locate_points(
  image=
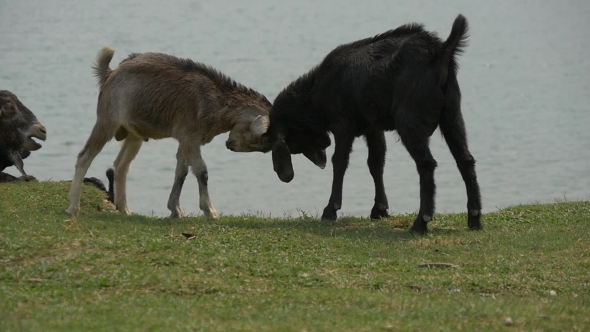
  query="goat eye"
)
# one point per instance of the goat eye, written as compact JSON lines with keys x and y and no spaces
{"x":6,"y":111}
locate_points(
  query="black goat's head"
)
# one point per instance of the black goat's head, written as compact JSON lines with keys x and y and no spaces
{"x":310,"y":143}
{"x":18,"y":125}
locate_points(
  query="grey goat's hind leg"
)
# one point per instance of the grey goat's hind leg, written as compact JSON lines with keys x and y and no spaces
{"x":128,"y":151}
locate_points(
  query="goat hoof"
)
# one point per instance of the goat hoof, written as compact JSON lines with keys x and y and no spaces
{"x":377,"y":213}
{"x":212,"y":215}
{"x":329,"y":214}
{"x":419,"y":226}
{"x":28,"y":178}
{"x":474,"y":222}
{"x":176,"y":215}
{"x":73,"y":210}
{"x":125,"y":211}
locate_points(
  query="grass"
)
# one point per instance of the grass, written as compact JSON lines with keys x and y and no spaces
{"x":529,"y":270}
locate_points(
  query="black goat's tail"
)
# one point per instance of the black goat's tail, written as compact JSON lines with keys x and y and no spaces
{"x":95,"y":182}
{"x":98,"y":184}
{"x":101,"y":67}
{"x":111,"y":192}
{"x":454,"y":45}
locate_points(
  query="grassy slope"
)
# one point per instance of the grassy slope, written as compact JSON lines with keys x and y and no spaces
{"x":105,"y":272}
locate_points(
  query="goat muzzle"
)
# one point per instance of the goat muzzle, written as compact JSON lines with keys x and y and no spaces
{"x":36,"y":131}
{"x":230,"y":145}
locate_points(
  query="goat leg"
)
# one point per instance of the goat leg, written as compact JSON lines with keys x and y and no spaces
{"x":179,"y":178}
{"x":340,"y":162}
{"x":416,"y":141}
{"x":16,"y":159}
{"x":5,"y":177}
{"x":376,"y":162}
{"x":192,"y":153}
{"x":18,"y":162}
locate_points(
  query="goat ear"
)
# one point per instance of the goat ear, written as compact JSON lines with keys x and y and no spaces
{"x":317,"y":157}
{"x":325,"y":141}
{"x":259,"y":126}
{"x":281,"y":160}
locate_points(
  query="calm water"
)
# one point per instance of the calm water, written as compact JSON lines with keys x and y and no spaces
{"x":525,"y":79}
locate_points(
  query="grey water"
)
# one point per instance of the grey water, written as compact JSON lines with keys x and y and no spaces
{"x":525,"y":79}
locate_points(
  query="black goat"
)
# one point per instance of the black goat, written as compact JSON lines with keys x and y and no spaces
{"x":7,"y":159}
{"x":405,"y":80}
{"x":98,"y":184}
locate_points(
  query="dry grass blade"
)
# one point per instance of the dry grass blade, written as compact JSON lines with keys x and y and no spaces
{"x":448,"y":265}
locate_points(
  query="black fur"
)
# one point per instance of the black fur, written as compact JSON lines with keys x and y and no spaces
{"x":405,"y":80}
{"x":6,"y":160}
{"x":110,"y":173}
{"x":111,"y":191}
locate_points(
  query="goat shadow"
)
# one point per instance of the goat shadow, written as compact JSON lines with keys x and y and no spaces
{"x":388,"y":230}
{"x":392,"y":229}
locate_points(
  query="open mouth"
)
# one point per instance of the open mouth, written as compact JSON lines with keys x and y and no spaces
{"x":33,"y":144}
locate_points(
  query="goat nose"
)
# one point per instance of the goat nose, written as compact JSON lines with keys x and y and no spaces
{"x":43,"y":130}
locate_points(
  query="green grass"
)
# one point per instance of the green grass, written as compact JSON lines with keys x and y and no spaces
{"x":106,"y":272}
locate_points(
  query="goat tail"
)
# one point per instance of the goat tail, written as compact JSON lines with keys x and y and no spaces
{"x":454,"y":45}
{"x":111,"y":192}
{"x":101,"y":64}
{"x":457,"y":40}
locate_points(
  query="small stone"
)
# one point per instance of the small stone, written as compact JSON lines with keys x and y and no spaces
{"x":508,"y":321}
{"x":552,"y":293}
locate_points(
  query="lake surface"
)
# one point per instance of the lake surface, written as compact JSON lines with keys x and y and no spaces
{"x":525,"y":79}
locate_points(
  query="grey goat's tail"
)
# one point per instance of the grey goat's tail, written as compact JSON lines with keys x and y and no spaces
{"x":101,"y":64}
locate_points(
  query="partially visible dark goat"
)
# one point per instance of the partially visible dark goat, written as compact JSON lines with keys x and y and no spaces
{"x":18,"y":127}
{"x":98,"y":184}
{"x":405,"y":80}
{"x":6,"y":160}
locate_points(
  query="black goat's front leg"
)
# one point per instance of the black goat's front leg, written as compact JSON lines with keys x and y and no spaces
{"x":376,"y":161}
{"x":17,"y":160}
{"x":340,"y":163}
{"x":5,"y":177}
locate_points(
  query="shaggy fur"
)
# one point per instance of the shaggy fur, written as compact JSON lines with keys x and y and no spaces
{"x":404,"y":80}
{"x":153,"y":95}
{"x":18,"y":127}
{"x":7,"y":160}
